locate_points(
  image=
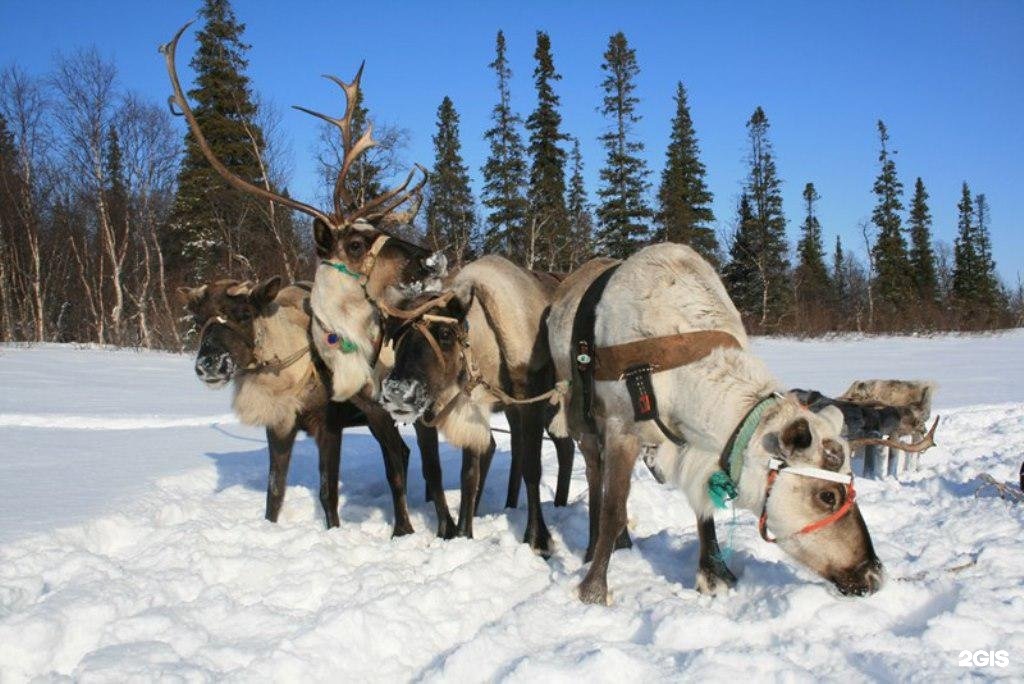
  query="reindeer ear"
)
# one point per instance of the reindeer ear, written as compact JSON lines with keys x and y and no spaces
{"x":264,"y":293}
{"x":323,"y":236}
{"x":796,"y":436}
{"x":464,"y":294}
{"x":191,"y":296}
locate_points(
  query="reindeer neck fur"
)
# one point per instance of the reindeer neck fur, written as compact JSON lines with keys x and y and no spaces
{"x":275,"y":398}
{"x":340,"y":304}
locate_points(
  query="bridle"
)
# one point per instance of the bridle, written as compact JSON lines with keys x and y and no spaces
{"x":275,"y":364}
{"x":732,"y":461}
{"x":777,"y":466}
{"x":419,"y":320}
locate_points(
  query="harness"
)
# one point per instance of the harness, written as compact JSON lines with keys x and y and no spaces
{"x":723,"y":484}
{"x":634,"y":362}
{"x":420,"y":321}
{"x":275,"y":364}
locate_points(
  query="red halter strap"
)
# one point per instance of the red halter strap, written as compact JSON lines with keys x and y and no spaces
{"x":762,"y":523}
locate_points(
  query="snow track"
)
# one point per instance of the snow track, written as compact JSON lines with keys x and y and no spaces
{"x":59,"y":421}
{"x":179,"y":577}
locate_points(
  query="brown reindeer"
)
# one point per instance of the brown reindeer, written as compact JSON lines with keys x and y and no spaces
{"x":360,"y":259}
{"x":257,"y":337}
{"x":669,"y":343}
{"x":478,"y":346}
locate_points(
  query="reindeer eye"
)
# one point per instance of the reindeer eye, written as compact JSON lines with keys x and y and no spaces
{"x":827,"y":497}
{"x":244,"y":316}
{"x":355,"y":248}
{"x":445,"y":335}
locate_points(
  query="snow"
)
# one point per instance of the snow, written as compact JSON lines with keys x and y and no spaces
{"x":133,"y":546}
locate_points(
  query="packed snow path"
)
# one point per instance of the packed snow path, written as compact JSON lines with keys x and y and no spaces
{"x":132,"y":546}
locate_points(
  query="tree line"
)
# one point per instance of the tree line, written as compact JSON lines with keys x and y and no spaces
{"x":105,"y":210}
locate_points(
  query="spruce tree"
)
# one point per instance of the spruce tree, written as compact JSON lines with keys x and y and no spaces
{"x":965,"y":269}
{"x":623,"y":212}
{"x":813,"y":284}
{"x":450,"y":210}
{"x":839,"y":284}
{"x":205,"y":207}
{"x":684,"y":201}
{"x":504,"y":173}
{"x":758,"y":269}
{"x":922,"y":255}
{"x":116,"y":192}
{"x":742,"y":276}
{"x":975,"y":284}
{"x":547,"y":219}
{"x":581,"y":223}
{"x":894,"y":284}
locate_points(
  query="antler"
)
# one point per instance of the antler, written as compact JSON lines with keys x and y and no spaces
{"x":373,"y":210}
{"x":178,"y":98}
{"x":926,"y":443}
{"x":380,"y":206}
{"x":342,"y":198}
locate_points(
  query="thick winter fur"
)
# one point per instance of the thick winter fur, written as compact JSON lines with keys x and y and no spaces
{"x":257,"y":337}
{"x":277,"y":399}
{"x":667,"y":289}
{"x":501,"y":307}
{"x":344,"y":303}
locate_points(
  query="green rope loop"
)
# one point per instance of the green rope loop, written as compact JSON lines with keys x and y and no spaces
{"x":721,"y":488}
{"x":341,"y":268}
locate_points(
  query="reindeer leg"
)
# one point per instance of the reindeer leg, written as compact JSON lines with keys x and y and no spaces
{"x":279,"y":446}
{"x":531,"y":427}
{"x":485,"y":466}
{"x":621,"y":453}
{"x":396,"y":455}
{"x":470,"y":487}
{"x":591,"y":449}
{"x":565,"y":450}
{"x":713,"y":575}
{"x":327,"y":433}
{"x":515,"y":472}
{"x":426,"y":437}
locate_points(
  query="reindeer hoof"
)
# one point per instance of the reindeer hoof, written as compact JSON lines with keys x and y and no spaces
{"x":594,"y":592}
{"x":446,"y":529}
{"x":715,"y":581}
{"x":623,"y":541}
{"x":402,"y":529}
{"x":539,"y":541}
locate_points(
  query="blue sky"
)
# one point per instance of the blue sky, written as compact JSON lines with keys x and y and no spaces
{"x":947,"y":78}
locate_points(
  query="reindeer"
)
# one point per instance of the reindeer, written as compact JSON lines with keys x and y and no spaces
{"x":257,"y":337}
{"x":707,"y":413}
{"x":478,"y":346}
{"x":359,"y":260}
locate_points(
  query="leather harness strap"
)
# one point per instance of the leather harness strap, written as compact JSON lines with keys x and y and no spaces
{"x":581,"y":402}
{"x":662,"y":353}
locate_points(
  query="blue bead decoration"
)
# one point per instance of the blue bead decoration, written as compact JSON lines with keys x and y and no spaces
{"x":332,"y":339}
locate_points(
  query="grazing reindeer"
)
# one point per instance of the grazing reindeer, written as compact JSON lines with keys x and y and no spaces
{"x":665,"y":324}
{"x":479,"y":345}
{"x":360,"y":259}
{"x":258,"y":338}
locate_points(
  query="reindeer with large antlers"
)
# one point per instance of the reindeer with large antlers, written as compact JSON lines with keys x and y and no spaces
{"x":359,"y":261}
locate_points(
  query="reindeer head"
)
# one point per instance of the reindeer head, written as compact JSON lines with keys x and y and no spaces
{"x":431,"y":362}
{"x":810,"y":505}
{"x":360,"y":259}
{"x":225,"y":311}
